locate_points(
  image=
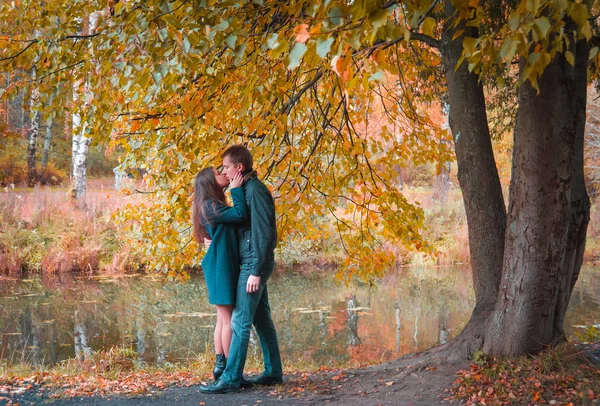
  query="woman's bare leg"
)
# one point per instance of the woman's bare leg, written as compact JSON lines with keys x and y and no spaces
{"x":224,"y":318}
{"x":218,"y":334}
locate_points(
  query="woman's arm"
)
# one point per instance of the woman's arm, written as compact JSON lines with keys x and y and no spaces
{"x":225,"y":214}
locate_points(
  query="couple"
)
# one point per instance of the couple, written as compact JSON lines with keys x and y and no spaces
{"x":236,"y":267}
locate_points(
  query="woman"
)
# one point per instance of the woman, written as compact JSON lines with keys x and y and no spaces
{"x":215,"y":220}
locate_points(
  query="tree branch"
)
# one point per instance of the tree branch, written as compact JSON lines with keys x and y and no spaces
{"x":33,"y":41}
{"x":290,"y":103}
{"x":79,"y":36}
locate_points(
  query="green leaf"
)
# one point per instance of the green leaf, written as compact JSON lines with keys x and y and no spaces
{"x":380,"y":19}
{"x":428,"y":26}
{"x":543,"y":26}
{"x":570,"y":58}
{"x":223,"y":25}
{"x":469,"y":44}
{"x":119,"y":7}
{"x":579,"y":14}
{"x":278,"y":49}
{"x":586,"y":30}
{"x":457,"y":34}
{"x":354,"y":42}
{"x":532,"y":6}
{"x":295,"y":55}
{"x":230,"y":40}
{"x":162,"y":34}
{"x":378,"y":76}
{"x":186,"y":45}
{"x":239,"y":52}
{"x":513,"y":21}
{"x":194,"y":38}
{"x":323,"y":46}
{"x":335,"y":15}
{"x":272,"y":41}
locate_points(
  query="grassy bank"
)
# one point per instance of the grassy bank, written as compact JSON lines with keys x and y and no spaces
{"x":41,"y":230}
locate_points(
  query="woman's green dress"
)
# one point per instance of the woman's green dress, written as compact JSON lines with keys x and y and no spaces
{"x":221,"y":263}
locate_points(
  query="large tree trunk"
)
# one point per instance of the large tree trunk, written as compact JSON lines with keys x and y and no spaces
{"x":538,"y":216}
{"x":479,"y":182}
{"x":579,"y":200}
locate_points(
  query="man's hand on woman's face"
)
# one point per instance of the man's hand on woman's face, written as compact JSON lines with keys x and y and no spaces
{"x":236,"y":181}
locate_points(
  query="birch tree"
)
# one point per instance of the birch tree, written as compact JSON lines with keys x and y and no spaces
{"x":48,"y":135}
{"x":33,"y":132}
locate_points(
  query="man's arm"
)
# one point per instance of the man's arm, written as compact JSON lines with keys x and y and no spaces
{"x":263,"y":232}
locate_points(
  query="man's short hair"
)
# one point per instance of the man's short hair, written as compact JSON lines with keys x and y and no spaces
{"x":239,"y":154}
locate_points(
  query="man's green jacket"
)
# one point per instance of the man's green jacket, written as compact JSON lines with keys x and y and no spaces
{"x":258,"y":235}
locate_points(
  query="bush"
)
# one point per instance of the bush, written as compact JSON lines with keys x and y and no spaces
{"x":15,"y":172}
{"x":51,"y":176}
{"x":12,"y":171}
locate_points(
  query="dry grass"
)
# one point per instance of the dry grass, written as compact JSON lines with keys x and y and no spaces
{"x":41,"y":229}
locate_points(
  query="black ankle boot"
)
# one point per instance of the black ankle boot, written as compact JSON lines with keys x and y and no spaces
{"x":220,"y":366}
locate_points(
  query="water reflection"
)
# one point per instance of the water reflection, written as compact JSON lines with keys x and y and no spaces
{"x":352,"y":322}
{"x":47,"y":320}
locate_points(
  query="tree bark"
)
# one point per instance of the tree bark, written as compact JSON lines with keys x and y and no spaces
{"x":479,"y":182}
{"x":538,"y":215}
{"x":33,"y":133}
{"x":579,"y":206}
{"x":79,"y":157}
{"x":48,"y":137}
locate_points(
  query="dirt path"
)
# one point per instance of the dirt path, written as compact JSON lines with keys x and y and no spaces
{"x":408,"y":381}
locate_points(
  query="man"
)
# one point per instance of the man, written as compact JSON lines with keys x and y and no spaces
{"x":257,"y":239}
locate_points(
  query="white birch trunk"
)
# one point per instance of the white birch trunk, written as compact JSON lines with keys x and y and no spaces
{"x":80,"y":140}
{"x":79,"y":152}
{"x":33,"y":131}
{"x":48,"y":137}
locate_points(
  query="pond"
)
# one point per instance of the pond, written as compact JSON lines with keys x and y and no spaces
{"x":44,"y":320}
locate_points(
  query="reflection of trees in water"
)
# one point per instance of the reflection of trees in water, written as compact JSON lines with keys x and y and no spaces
{"x":416,"y":335}
{"x":444,"y":317}
{"x":443,"y":336}
{"x":140,"y":335}
{"x":352,"y":322}
{"x":323,"y":326}
{"x":584,"y":306}
{"x":30,"y":346}
{"x":161,"y":342}
{"x":110,"y":313}
{"x":398,"y":326}
{"x":83,"y":351}
{"x":141,"y":313}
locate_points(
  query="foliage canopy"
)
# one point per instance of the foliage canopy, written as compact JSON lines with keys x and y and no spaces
{"x":329,"y":96}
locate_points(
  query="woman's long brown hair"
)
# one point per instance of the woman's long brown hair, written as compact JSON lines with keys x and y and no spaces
{"x":207,"y":194}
